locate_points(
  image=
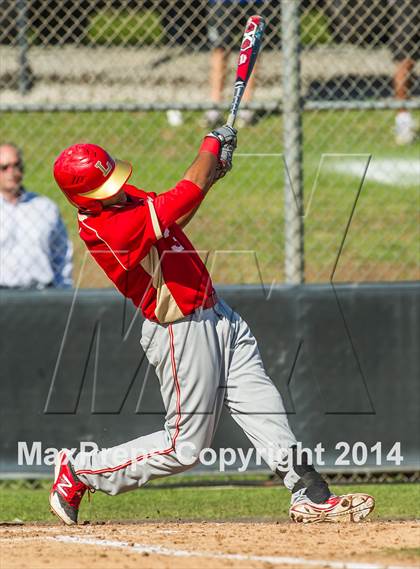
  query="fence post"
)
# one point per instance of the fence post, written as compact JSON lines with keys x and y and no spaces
{"x":292,"y":143}
{"x":22,"y":28}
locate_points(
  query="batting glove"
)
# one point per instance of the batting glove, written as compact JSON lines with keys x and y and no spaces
{"x":225,"y":161}
{"x":218,"y":138}
{"x":225,"y":134}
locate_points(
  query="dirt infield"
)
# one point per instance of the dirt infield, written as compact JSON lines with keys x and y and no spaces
{"x":209,"y":545}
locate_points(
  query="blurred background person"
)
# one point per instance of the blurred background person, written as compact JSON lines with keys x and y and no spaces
{"x":405,"y":47}
{"x":227,"y":19}
{"x":226,"y":24}
{"x":35,"y":251}
{"x":184,"y":24}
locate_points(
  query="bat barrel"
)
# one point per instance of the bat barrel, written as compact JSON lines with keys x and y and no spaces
{"x":250,"y":46}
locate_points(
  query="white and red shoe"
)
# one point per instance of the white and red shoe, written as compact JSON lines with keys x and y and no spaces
{"x":346,"y":508}
{"x":67,"y":491}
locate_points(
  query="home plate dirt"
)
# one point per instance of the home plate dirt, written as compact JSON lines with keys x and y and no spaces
{"x":369,"y":545}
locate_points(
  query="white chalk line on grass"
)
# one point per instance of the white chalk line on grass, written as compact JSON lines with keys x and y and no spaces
{"x":160,"y":550}
{"x":398,"y":172}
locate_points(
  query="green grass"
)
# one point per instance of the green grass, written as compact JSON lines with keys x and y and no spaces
{"x":404,"y":552}
{"x":393,"y":501}
{"x":116,"y":27}
{"x":244,"y":212}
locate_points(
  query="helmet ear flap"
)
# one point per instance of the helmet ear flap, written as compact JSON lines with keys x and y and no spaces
{"x":94,"y":207}
{"x":86,"y":205}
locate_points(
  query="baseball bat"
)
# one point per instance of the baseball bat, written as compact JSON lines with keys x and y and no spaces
{"x":250,"y":46}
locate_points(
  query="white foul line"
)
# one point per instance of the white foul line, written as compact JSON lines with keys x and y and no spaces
{"x":160,"y":550}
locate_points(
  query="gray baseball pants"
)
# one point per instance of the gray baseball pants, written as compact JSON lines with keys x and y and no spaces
{"x":203,"y":361}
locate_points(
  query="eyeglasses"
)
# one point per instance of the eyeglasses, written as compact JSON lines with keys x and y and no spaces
{"x":17,"y":165}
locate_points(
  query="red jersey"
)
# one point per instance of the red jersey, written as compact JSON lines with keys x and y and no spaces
{"x":147,"y":255}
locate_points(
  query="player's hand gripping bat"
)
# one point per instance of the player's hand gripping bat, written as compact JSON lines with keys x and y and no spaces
{"x":250,"y":46}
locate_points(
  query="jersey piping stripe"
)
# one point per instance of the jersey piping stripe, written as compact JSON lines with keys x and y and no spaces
{"x":154,"y":218}
{"x":178,"y":420}
{"x":177,"y":385}
{"x":103,"y":241}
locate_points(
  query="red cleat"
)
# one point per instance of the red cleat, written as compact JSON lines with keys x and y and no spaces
{"x":347,"y":508}
{"x":67,"y":491}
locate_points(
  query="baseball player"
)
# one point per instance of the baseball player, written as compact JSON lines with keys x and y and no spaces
{"x":204,"y":353}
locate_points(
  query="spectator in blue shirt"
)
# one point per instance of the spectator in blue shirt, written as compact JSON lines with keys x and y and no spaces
{"x":35,"y":251}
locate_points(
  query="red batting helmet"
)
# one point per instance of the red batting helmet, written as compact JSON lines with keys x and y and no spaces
{"x":87,"y":174}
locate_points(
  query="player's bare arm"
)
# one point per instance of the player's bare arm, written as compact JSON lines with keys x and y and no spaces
{"x":202,"y":171}
{"x":213,"y":161}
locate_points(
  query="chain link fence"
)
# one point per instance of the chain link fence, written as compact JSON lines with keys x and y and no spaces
{"x":141,"y":77}
{"x":360,"y":75}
